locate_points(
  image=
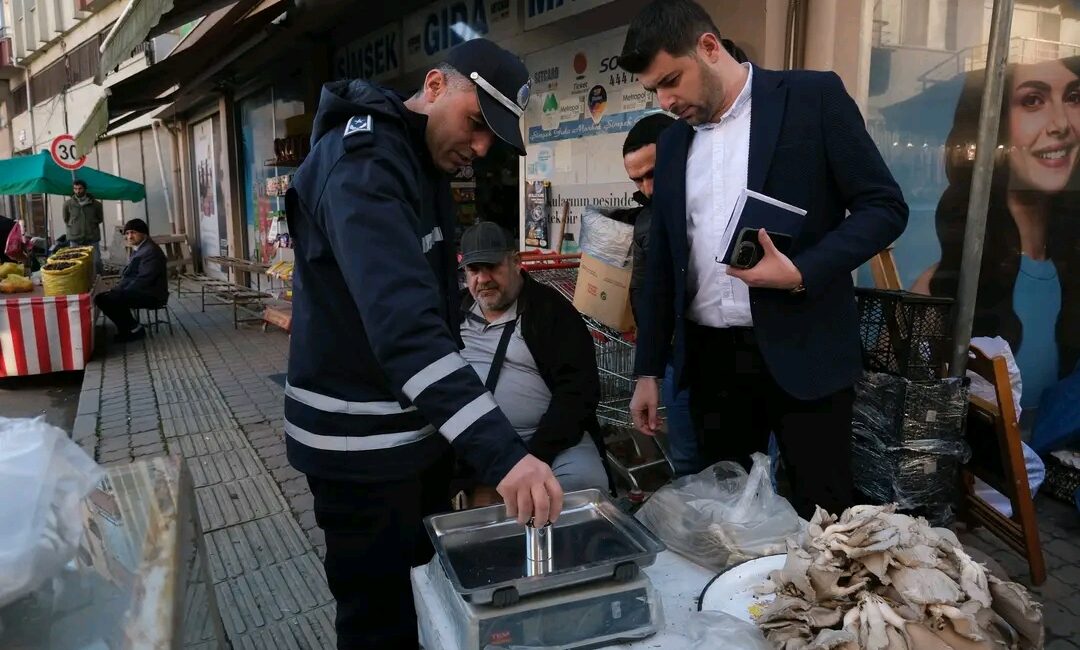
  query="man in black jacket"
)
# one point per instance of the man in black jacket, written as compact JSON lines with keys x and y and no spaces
{"x":534,"y":353}
{"x":143,"y":284}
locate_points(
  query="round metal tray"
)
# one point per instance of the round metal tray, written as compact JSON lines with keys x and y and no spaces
{"x":732,"y":592}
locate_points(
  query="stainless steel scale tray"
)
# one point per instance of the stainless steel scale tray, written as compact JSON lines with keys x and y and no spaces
{"x":483,"y":550}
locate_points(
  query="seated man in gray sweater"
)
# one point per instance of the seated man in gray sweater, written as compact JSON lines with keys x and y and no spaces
{"x":535,"y":354}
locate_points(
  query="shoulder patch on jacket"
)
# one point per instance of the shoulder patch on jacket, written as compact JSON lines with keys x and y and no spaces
{"x":358,"y":124}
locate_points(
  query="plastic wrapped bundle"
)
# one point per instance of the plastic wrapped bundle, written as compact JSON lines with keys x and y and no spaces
{"x":909,"y":443}
{"x":604,"y":238}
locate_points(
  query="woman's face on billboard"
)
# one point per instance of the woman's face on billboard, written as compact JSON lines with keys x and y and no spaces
{"x":1044,"y":118}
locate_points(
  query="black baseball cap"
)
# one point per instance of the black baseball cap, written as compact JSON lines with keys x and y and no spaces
{"x":502,"y":84}
{"x":485,"y":243}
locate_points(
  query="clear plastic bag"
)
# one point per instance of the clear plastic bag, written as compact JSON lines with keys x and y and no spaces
{"x":722,"y":516}
{"x":43,"y":478}
{"x":712,"y":630}
{"x":605,"y":238}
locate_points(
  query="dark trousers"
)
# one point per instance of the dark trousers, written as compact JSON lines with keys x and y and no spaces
{"x":118,"y":303}
{"x":374,"y":535}
{"x":735,"y":404}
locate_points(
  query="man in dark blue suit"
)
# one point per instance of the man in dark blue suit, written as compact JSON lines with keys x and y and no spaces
{"x":774,"y":347}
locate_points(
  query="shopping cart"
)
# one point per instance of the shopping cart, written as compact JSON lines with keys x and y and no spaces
{"x":635,"y":457}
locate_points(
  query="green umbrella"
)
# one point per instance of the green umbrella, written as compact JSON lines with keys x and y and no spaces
{"x":38,"y":174}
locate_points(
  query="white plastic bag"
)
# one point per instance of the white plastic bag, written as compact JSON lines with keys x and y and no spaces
{"x":996,"y":347}
{"x":722,"y":517}
{"x":605,"y":238}
{"x":1036,"y":469}
{"x":43,"y":478}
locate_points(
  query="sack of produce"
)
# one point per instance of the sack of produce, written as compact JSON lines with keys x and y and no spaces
{"x":64,"y":278}
{"x":84,"y":255}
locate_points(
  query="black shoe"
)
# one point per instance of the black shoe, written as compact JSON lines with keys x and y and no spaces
{"x":134,"y":335}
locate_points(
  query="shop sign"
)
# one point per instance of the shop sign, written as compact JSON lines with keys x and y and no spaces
{"x":375,"y":56}
{"x":542,"y":12}
{"x":583,"y":92}
{"x":431,"y":32}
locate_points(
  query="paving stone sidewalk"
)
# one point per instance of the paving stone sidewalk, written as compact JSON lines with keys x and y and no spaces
{"x":204,"y":391}
{"x":208,"y":391}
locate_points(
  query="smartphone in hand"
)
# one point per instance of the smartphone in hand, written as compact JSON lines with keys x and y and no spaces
{"x":748,"y":250}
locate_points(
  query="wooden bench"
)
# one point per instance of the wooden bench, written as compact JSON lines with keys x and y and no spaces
{"x":246,"y":303}
{"x":239,"y":266}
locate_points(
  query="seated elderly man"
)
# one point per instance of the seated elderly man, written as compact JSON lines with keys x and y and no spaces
{"x":535,"y":355}
{"x":143,"y":284}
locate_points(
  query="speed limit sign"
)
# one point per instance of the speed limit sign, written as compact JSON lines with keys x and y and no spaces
{"x":63,"y":152}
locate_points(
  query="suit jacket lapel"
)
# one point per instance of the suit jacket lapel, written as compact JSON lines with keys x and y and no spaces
{"x":768,"y":98}
{"x":676,"y":150}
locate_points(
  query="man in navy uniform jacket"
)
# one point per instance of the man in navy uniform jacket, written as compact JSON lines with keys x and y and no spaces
{"x":378,"y":391}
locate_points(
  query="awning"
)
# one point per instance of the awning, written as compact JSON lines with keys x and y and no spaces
{"x":136,"y":21}
{"x":38,"y":174}
{"x":218,"y":39}
{"x":96,"y":123}
{"x":929,"y":113}
{"x":142,"y":19}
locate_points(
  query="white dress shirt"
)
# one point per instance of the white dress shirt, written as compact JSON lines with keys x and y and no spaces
{"x":716,"y":173}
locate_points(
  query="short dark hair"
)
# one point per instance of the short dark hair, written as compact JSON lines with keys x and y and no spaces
{"x":647,"y":131}
{"x":673,"y":26}
{"x":78,"y":181}
{"x":734,"y":50}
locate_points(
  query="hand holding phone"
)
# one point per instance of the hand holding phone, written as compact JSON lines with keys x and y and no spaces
{"x":749,"y":251}
{"x":772,"y":269}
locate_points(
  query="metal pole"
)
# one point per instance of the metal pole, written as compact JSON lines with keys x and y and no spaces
{"x":30,"y":109}
{"x":161,"y":170}
{"x":986,"y":145}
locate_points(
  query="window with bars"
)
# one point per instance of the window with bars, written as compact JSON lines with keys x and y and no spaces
{"x":18,"y":100}
{"x":80,"y":63}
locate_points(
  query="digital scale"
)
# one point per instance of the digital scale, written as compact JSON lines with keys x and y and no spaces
{"x":495,"y":585}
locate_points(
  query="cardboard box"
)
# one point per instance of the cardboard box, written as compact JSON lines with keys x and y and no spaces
{"x":603,"y":292}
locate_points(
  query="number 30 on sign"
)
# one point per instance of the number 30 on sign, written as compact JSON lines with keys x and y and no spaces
{"x":63,"y":152}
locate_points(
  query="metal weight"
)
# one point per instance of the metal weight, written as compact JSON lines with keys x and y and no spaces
{"x":539,"y":554}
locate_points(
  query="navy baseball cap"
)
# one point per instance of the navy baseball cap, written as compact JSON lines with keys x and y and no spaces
{"x":485,"y":243}
{"x":502,"y":85}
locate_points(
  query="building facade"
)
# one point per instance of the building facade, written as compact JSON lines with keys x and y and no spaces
{"x":214,"y":118}
{"x":47,"y":89}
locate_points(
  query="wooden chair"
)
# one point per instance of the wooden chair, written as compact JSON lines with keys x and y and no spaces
{"x":883,"y":268}
{"x":998,"y":459}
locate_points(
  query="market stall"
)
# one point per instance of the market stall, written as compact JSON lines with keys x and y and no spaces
{"x":40,"y":334}
{"x":47,"y":316}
